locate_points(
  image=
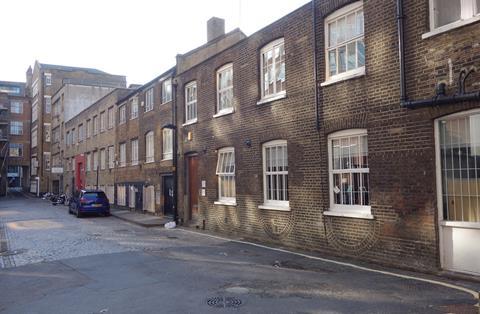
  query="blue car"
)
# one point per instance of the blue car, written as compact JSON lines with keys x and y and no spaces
{"x":89,"y":202}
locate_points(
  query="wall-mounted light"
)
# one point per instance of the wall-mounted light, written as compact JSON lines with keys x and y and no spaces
{"x":248,"y":143}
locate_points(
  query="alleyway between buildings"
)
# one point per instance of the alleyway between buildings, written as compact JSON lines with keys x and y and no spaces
{"x":52,"y":262}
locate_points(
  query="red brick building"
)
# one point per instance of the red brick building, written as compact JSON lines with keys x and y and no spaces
{"x":303,"y":136}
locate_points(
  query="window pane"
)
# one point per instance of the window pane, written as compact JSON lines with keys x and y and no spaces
{"x":359,"y":28}
{"x":332,"y":34}
{"x":360,"y":53}
{"x":332,"y":62}
{"x":341,"y":25}
{"x":446,"y":11}
{"x":342,"y":55}
{"x":351,"y":26}
{"x":352,"y":56}
{"x":478,"y":6}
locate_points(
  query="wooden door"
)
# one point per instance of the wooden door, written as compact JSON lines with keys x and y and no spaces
{"x":193,"y":186}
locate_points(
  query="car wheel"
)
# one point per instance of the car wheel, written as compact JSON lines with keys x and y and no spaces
{"x":78,"y":214}
{"x":70,"y":210}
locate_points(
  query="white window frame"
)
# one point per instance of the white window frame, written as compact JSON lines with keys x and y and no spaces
{"x":81,"y":132}
{"x":95,"y":124}
{"x":18,"y":148}
{"x":17,"y":126}
{"x":134,"y":148}
{"x":111,"y":157}
{"x":149,"y":99}
{"x":267,"y":48}
{"x":48,"y":79}
{"x":468,"y":16}
{"x":122,"y":114}
{"x":166,"y":91}
{"x":123,"y":154}
{"x":222,"y":153}
{"x":273,"y":204}
{"x":89,"y":128}
{"x":149,"y":147}
{"x":89,"y":162}
{"x":352,"y":211}
{"x":229,"y":89}
{"x":438,"y":166}
{"x":134,"y":108}
{"x":103,"y":159}
{"x":348,"y":74}
{"x":121,"y":195}
{"x":103,"y":121}
{"x":167,"y":144}
{"x":35,"y":111}
{"x":48,"y":103}
{"x":191,"y":104}
{"x":16,"y":104}
{"x":95,"y":160}
{"x":111,"y":117}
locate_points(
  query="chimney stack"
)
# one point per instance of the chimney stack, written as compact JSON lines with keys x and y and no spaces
{"x":215,"y":28}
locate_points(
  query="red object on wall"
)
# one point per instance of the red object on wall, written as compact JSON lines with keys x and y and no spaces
{"x":80,"y":172}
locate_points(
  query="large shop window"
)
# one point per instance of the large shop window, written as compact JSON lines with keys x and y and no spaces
{"x":345,"y":48}
{"x":273,"y":69}
{"x":275,"y":175}
{"x":226,"y":175}
{"x":459,"y":139}
{"x":349,"y":174}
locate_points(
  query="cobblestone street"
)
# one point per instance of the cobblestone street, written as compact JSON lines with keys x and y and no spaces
{"x":56,"y":263}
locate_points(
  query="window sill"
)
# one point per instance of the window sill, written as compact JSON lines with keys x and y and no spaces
{"x":451,"y":26}
{"x":337,"y":213}
{"x":190,"y":122}
{"x":149,"y":162}
{"x":285,"y":208}
{"x":226,"y":203}
{"x":133,"y":118}
{"x":166,"y":102}
{"x":167,"y":159}
{"x":267,"y":100}
{"x":344,"y":76}
{"x":224,"y":113}
{"x":460,"y":224}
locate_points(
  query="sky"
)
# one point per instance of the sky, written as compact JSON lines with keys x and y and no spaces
{"x":138,"y":39}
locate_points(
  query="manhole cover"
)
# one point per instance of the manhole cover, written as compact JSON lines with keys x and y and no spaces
{"x":10,"y":253}
{"x":224,"y":302}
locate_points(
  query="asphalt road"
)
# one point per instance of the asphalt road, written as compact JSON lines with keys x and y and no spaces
{"x":56,"y":263}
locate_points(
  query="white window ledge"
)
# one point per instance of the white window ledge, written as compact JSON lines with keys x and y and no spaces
{"x":190,"y":122}
{"x":167,"y":159}
{"x":223,"y":113}
{"x":344,"y":76}
{"x":149,"y":162}
{"x":284,"y":208}
{"x":227,"y":203}
{"x":461,"y":224}
{"x":266,"y":100}
{"x":337,"y":213}
{"x":451,"y":26}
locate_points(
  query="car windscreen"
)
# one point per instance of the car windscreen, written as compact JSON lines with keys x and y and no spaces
{"x":92,"y":196}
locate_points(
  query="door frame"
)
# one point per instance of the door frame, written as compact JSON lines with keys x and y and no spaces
{"x":162,"y":179}
{"x":441,"y":223}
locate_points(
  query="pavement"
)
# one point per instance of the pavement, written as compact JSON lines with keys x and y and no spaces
{"x":145,"y":220}
{"x":57,"y":263}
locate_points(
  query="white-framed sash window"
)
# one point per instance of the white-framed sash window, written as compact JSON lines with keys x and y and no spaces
{"x":191,"y":102}
{"x":225,"y":89}
{"x":273,"y":69}
{"x":275,"y":175}
{"x":149,"y":147}
{"x":134,"y":144}
{"x":226,"y":175}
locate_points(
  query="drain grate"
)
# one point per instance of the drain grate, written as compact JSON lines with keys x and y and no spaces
{"x":224,"y":302}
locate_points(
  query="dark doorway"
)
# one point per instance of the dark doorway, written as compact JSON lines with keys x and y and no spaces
{"x":56,"y":187}
{"x":192,"y":164}
{"x":168,"y":196}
